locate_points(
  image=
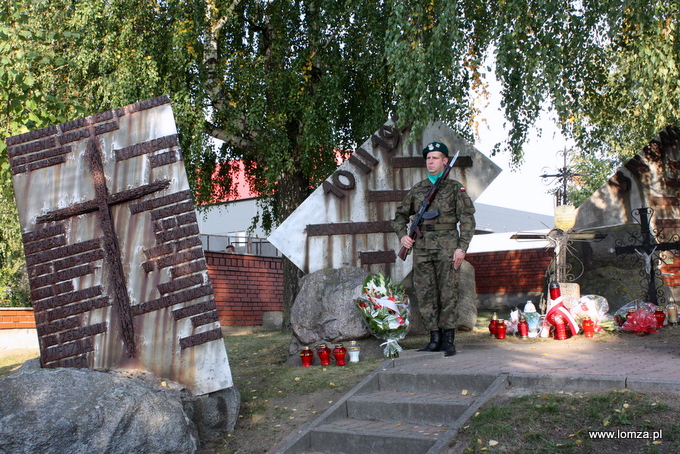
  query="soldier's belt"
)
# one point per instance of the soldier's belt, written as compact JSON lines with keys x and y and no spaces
{"x":433,"y":227}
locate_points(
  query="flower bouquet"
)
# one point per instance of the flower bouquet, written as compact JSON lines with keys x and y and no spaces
{"x":641,"y":322}
{"x":385,"y":309}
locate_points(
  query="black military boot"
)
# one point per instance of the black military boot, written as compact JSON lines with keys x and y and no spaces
{"x":448,"y":347}
{"x":435,"y":342}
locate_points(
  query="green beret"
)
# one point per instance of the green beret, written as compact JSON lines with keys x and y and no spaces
{"x":435,"y":146}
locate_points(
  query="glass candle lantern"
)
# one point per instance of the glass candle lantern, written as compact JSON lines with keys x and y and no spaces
{"x":523,"y":327}
{"x":588,"y":327}
{"x":555,"y":292}
{"x":340,"y":355}
{"x":560,"y":331}
{"x":492,"y":324}
{"x":501,"y":329}
{"x":306,"y":356}
{"x":560,"y":328}
{"x":324,"y":354}
{"x":672,"y":310}
{"x":660,"y":316}
{"x":353,"y":351}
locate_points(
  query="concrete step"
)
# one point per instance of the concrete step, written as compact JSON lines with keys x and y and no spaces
{"x":413,"y":408}
{"x":403,"y":407}
{"x":419,"y":380}
{"x":356,"y":436}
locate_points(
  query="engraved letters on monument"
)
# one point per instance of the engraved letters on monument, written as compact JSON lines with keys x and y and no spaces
{"x":115,"y":263}
{"x":347,"y":220}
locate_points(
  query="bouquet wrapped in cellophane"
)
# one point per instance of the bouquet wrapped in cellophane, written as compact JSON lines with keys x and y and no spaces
{"x":385,"y":309}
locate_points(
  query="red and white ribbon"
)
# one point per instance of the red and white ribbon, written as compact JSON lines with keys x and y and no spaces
{"x":557,"y":309}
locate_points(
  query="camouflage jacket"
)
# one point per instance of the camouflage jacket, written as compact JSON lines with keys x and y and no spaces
{"x":454,"y":205}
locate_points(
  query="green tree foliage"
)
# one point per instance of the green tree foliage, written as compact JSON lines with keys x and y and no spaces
{"x":593,"y":170}
{"x":29,"y":62}
{"x":608,"y":68}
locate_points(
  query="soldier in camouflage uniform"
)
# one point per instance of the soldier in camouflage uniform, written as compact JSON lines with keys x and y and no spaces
{"x":438,"y":255}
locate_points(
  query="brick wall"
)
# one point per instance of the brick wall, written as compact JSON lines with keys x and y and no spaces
{"x":16,"y":318}
{"x":518,"y":271}
{"x":245,"y":286}
{"x":670,"y":273}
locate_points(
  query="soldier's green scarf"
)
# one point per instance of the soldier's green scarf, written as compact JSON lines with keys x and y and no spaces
{"x":433,"y":178}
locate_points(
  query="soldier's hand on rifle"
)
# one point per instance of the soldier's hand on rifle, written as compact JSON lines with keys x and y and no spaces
{"x":407,"y":241}
{"x":458,"y":258}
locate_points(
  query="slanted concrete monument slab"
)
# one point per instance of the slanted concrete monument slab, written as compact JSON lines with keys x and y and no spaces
{"x":346,"y":221}
{"x":116,"y":267}
{"x":649,"y":185}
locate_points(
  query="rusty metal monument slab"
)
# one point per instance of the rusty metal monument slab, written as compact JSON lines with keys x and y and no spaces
{"x":347,"y":220}
{"x":116,"y":267}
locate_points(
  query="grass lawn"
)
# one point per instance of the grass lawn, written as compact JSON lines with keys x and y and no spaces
{"x":564,"y":422}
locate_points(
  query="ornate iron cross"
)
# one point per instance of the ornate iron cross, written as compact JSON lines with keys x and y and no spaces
{"x":102,"y":205}
{"x":646,"y":247}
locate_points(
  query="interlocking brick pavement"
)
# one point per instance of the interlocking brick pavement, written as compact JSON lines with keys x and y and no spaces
{"x":655,"y":357}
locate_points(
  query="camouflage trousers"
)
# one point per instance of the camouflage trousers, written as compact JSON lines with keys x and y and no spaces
{"x":436,"y":286}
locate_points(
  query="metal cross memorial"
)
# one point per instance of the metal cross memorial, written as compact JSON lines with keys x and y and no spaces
{"x":560,"y":240}
{"x":563,"y":235}
{"x":115,"y":263}
{"x":646,"y":247}
{"x":563,"y":176}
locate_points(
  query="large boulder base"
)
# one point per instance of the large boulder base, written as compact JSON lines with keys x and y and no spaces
{"x":85,"y":411}
{"x":324,"y":310}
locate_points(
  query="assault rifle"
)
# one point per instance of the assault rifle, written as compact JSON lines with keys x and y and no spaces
{"x":423,"y":214}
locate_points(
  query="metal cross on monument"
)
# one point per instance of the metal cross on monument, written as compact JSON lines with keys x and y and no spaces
{"x":102,"y":204}
{"x":560,"y":241}
{"x":563,"y":235}
{"x":646,"y":247}
{"x":563,"y":176}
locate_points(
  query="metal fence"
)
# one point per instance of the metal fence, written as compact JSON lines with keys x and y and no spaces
{"x":242,"y":245}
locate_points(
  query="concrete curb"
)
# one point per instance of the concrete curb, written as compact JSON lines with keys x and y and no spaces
{"x":561,"y":345}
{"x":555,"y":382}
{"x":653,"y":385}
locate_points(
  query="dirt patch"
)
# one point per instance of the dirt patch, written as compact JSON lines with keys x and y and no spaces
{"x":259,"y":433}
